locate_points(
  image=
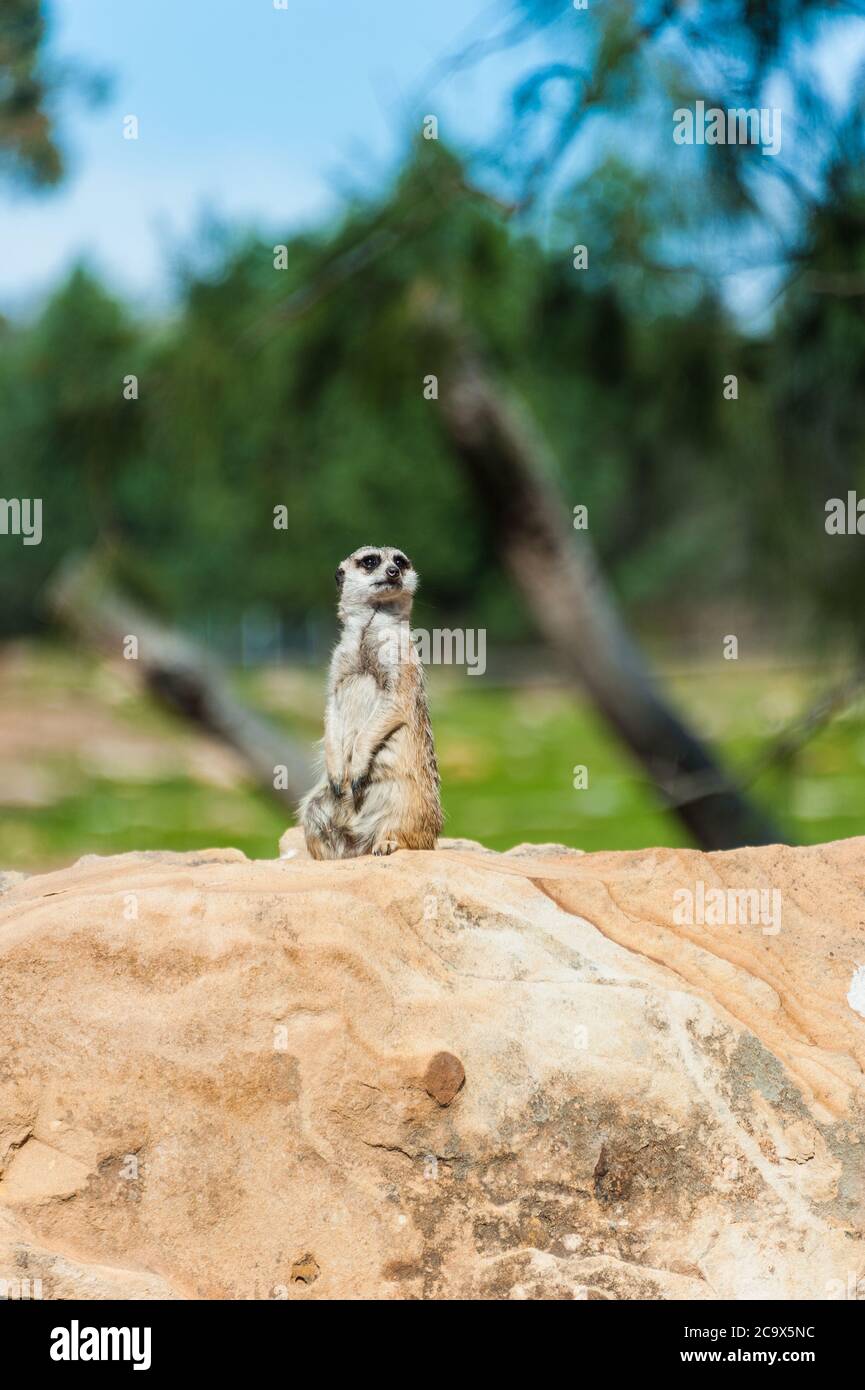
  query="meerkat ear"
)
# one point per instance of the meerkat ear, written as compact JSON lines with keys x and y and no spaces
{"x":339,"y":577}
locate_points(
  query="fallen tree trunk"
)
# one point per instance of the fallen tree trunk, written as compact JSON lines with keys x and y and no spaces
{"x":180,"y":676}
{"x":557,"y":572}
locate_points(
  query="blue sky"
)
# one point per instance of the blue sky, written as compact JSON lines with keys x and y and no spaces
{"x":261,"y":114}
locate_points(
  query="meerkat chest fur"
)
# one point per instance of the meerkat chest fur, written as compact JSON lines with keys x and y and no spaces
{"x":372,"y":666}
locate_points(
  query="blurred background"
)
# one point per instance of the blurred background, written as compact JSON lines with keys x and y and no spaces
{"x":280,"y":280}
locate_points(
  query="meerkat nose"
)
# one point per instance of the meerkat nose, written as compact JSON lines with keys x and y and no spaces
{"x":392,"y":572}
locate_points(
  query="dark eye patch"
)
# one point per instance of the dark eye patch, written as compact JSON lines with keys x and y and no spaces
{"x":401,"y":561}
{"x":370,"y":562}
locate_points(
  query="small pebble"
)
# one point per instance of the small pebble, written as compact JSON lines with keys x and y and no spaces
{"x":443,"y":1077}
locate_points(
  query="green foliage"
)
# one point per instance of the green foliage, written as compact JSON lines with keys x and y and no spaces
{"x":29,"y":153}
{"x":303,"y":388}
{"x":626,"y":64}
{"x":816,"y":387}
{"x":27,"y":147}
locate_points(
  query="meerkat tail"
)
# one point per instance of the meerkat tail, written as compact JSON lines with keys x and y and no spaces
{"x":325,"y":839}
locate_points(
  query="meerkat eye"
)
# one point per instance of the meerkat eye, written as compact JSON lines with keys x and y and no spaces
{"x":370,"y":562}
{"x":401,"y":561}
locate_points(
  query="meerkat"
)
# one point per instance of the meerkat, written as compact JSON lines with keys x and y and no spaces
{"x":380,"y":788}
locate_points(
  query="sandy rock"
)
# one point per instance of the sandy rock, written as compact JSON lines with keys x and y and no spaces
{"x":28,"y":1271}
{"x":9,"y":879}
{"x":448,"y":1075}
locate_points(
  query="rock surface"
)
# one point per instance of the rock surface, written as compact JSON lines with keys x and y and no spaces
{"x":449,"y":1075}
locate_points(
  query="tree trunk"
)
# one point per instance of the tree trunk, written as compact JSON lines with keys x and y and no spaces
{"x":180,"y":677}
{"x":556,"y":569}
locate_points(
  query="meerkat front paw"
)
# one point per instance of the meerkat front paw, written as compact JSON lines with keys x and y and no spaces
{"x":385,"y":847}
{"x":358,"y":789}
{"x":337,"y":779}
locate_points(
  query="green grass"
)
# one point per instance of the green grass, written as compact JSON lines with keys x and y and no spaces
{"x":108,"y":817}
{"x":507,"y":758}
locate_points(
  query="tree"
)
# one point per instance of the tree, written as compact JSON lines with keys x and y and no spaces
{"x":29,"y":87}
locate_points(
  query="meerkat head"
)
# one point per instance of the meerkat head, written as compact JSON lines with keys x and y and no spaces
{"x":376,"y":577}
